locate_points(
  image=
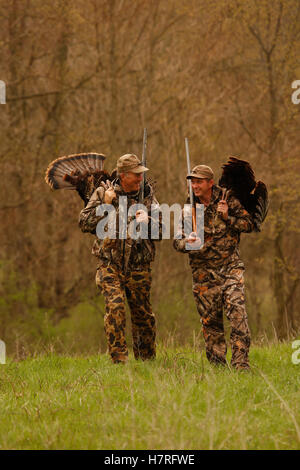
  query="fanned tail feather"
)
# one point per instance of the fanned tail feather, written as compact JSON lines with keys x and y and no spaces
{"x":262,"y":205}
{"x":83,"y":172}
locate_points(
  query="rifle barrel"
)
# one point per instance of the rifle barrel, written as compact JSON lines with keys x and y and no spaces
{"x":194,"y":222}
{"x":189,"y":170}
{"x":144,"y":161}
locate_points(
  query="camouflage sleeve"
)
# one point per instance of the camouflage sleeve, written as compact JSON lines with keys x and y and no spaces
{"x":179,"y":245}
{"x":88,"y":219}
{"x":238,"y":218}
{"x":179,"y":242}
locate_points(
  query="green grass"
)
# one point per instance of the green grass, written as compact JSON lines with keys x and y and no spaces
{"x":178,"y":402}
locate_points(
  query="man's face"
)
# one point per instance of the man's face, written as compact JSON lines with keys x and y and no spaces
{"x":201,"y":187}
{"x":131,"y":181}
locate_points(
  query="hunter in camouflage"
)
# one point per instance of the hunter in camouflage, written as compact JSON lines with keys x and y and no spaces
{"x":217,"y":270}
{"x":124,"y":269}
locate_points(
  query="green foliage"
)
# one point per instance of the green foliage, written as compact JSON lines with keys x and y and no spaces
{"x":23,"y":325}
{"x":82,"y":331}
{"x":177,"y":317}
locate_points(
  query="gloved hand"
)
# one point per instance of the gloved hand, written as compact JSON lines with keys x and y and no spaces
{"x":222,"y":209}
{"x":194,"y":239}
{"x":109,"y":194}
{"x":141,"y":216}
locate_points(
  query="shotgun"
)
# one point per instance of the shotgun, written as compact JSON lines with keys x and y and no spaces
{"x":144,"y":161}
{"x":194,"y":223}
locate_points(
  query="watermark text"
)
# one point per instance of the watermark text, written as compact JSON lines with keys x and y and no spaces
{"x":296,"y":354}
{"x":296,"y":94}
{"x":2,"y":352}
{"x":124,"y":223}
{"x":2,"y":92}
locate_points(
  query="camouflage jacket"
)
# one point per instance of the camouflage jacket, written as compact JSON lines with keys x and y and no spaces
{"x":125,"y":254}
{"x":221,"y":238}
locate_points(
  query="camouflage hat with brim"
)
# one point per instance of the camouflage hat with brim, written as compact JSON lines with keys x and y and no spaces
{"x":201,"y":171}
{"x":130,"y":162}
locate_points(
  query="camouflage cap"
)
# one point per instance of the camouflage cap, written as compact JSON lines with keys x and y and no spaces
{"x":130,"y":162}
{"x":201,"y":171}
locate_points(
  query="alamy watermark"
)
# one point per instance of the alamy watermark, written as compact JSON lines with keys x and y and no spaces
{"x":296,"y":95}
{"x":296,"y":354}
{"x":2,"y":352}
{"x":2,"y":92}
{"x":158,"y":226}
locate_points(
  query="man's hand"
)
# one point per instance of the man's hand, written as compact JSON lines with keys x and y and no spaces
{"x":141,"y":216}
{"x":223,"y":209}
{"x":109,"y":194}
{"x":194,"y":239}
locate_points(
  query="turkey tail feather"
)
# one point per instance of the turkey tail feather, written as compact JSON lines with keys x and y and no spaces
{"x":262,"y":205}
{"x":82,"y":171}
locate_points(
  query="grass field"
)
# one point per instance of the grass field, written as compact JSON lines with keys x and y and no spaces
{"x":177,"y":402}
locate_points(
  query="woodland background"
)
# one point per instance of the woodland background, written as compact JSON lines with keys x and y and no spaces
{"x":89,"y":76}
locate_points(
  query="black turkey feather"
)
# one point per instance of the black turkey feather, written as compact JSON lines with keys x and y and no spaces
{"x":238,"y":176}
{"x":83,"y":172}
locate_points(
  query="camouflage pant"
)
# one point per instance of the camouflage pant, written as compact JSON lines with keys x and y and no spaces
{"x":215,"y":290}
{"x":135,"y":285}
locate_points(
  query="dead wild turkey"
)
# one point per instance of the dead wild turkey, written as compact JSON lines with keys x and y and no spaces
{"x":238,"y":176}
{"x":83,"y":172}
